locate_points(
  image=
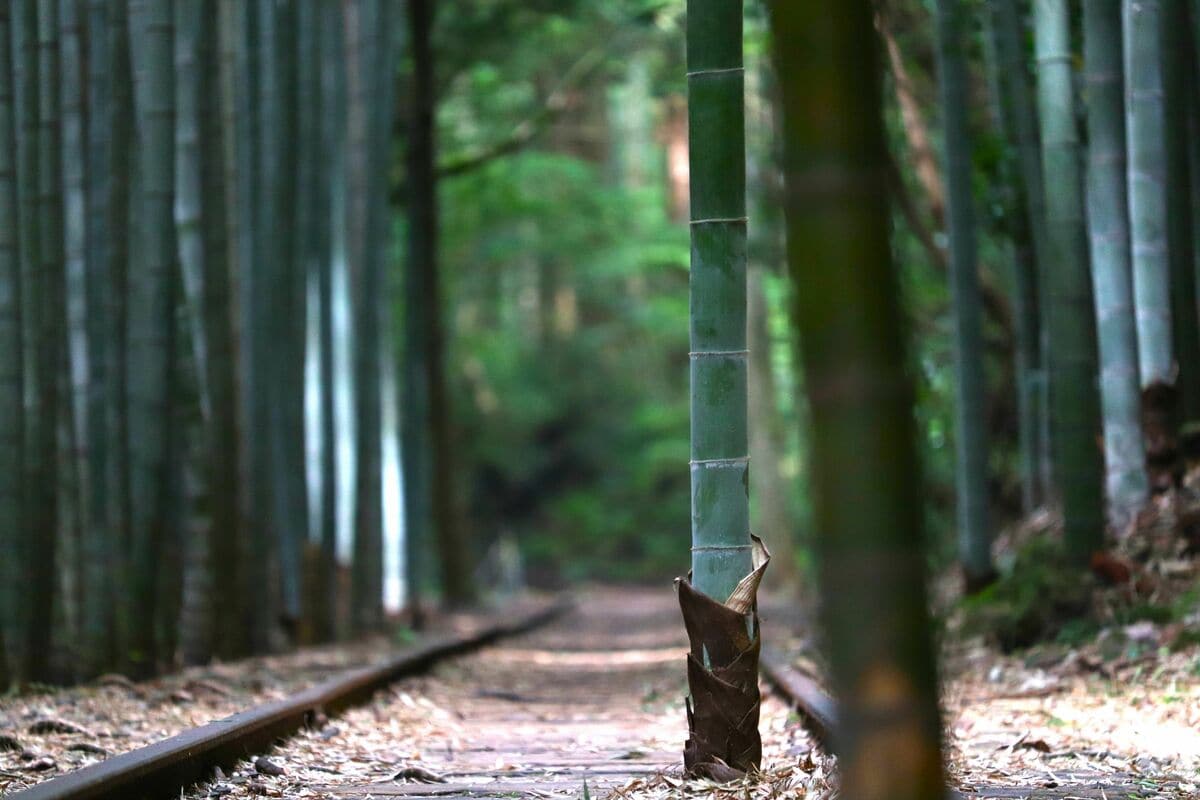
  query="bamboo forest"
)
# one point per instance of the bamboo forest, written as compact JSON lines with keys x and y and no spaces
{"x":600,"y":399}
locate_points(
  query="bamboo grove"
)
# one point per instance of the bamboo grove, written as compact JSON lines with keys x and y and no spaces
{"x":183,"y":185}
{"x":1100,"y":209}
{"x":239,"y":240}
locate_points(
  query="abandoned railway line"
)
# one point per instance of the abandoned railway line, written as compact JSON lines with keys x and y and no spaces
{"x":541,"y":704}
{"x":165,"y":768}
{"x":535,"y":710}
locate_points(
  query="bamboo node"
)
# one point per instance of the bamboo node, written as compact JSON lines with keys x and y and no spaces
{"x":728,"y":70}
{"x":721,"y":221}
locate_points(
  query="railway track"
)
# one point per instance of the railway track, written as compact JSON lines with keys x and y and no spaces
{"x":804,"y":694}
{"x":561,"y":704}
{"x":164,"y":769}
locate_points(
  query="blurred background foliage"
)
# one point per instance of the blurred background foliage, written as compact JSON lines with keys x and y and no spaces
{"x":563,"y":145}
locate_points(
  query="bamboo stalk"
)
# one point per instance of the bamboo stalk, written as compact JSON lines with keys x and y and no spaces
{"x":12,"y":421}
{"x":1072,"y":357}
{"x":867,"y":494}
{"x":1147,"y":190}
{"x":1108,"y":224}
{"x":720,"y":460}
{"x":151,"y":34}
{"x":971,"y":443}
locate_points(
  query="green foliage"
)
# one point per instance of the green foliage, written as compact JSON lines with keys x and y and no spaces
{"x":568,"y":366}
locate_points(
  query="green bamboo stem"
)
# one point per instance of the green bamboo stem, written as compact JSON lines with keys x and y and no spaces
{"x":197,"y":628}
{"x":332,"y":164}
{"x":189,"y":223}
{"x":151,"y":34}
{"x":229,"y":353}
{"x":425,"y":289}
{"x":223,"y":446}
{"x":98,"y":613}
{"x":414,"y":417}
{"x":119,"y":220}
{"x":251,"y":231}
{"x":367,"y":575}
{"x":1070,"y":313}
{"x":971,"y":478}
{"x":41,"y":511}
{"x":1179,"y":98}
{"x":12,"y":411}
{"x":266,"y":308}
{"x":285,"y":300}
{"x":1193,"y":125}
{"x":1147,"y":190}
{"x":867,"y":493}
{"x":1108,"y":225}
{"x":50,"y":323}
{"x":74,"y":461}
{"x":1018,"y":120}
{"x":720,"y":460}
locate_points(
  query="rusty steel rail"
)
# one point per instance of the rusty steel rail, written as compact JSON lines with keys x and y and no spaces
{"x":161,"y":770}
{"x":803,"y":693}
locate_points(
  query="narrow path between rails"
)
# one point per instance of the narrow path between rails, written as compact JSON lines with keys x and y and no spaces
{"x":596,"y":697}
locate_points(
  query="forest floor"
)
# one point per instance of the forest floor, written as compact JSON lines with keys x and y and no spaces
{"x":1057,"y":684}
{"x":595,"y":700}
{"x":49,"y":731}
{"x":1069,"y":723}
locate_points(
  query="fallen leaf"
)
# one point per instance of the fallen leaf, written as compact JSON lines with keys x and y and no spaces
{"x":50,"y":725}
{"x":419,"y":774}
{"x":265,"y":766}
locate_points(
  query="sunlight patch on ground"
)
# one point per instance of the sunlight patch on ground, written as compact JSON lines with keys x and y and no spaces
{"x":595,"y":659}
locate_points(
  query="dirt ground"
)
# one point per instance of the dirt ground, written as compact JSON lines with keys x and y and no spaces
{"x":595,"y":700}
{"x":47,"y":733}
{"x":1064,"y":723}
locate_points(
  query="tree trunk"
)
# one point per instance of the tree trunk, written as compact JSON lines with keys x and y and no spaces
{"x":720,"y":511}
{"x":1019,"y":123}
{"x":332,"y":163}
{"x":257,"y":551}
{"x":1147,"y":190}
{"x":197,"y":620}
{"x":98,"y":631}
{"x":12,"y":412}
{"x":1109,"y":228}
{"x":38,"y":481}
{"x":50,"y":321}
{"x":1179,"y":86}
{"x":119,"y":203}
{"x":151,"y":322}
{"x":283,"y":300}
{"x":367,"y":575}
{"x":722,"y":629}
{"x":971,"y":476}
{"x":424,"y":289}
{"x":1149,"y":236}
{"x":867,"y":493}
{"x":414,"y":413}
{"x":224,"y":447}
{"x":1070,"y":314}
{"x":74,"y":458}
